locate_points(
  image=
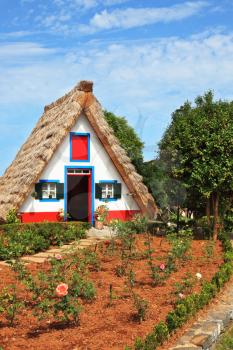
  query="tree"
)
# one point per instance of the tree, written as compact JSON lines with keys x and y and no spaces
{"x":128,"y":138}
{"x":198,"y":148}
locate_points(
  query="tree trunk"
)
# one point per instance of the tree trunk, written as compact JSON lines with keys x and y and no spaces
{"x":216,"y":215}
{"x":208,"y":211}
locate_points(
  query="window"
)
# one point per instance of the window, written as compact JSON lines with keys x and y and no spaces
{"x":108,"y":190}
{"x":49,"y":190}
{"x":79,"y":147}
{"x":78,"y":171}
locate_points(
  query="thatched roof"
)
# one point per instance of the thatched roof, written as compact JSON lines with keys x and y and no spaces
{"x":56,"y":122}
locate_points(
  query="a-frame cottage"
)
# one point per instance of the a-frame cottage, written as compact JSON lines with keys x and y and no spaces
{"x":73,"y":162}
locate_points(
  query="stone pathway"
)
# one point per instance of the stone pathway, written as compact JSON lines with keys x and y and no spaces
{"x":204,"y":333}
{"x":94,"y":236}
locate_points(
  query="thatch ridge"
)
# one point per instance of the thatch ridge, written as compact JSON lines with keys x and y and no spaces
{"x":53,"y":126}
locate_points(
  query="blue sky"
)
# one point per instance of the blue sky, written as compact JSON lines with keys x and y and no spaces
{"x":145,"y":58}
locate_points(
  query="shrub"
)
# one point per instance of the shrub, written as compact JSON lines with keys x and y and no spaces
{"x":139,"y":344}
{"x":180,"y":243}
{"x":141,"y":306}
{"x":159,"y":334}
{"x":19,"y":239}
{"x":10,"y":304}
{"x":139,"y":223}
{"x":161,"y":331}
{"x":12,"y":217}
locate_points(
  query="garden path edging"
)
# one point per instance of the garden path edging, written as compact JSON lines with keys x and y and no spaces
{"x":203,"y":334}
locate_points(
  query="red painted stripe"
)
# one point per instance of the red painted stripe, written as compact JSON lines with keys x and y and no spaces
{"x":40,"y":217}
{"x":123,"y":215}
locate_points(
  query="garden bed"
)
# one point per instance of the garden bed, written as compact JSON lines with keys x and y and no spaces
{"x":109,"y":319}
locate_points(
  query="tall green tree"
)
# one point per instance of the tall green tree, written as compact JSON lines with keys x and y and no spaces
{"x":128,"y":138}
{"x":198,"y":150}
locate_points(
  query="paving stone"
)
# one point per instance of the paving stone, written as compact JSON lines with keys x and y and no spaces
{"x":54,"y":251}
{"x":43,"y":255}
{"x":223,"y":319}
{"x":202,"y":340}
{"x":186,"y":347}
{"x":33,"y":259}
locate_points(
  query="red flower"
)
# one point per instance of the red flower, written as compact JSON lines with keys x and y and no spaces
{"x":162,"y":267}
{"x":62,"y":290}
{"x":107,"y":243}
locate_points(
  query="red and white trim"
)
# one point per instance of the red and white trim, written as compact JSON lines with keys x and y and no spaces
{"x":123,"y":215}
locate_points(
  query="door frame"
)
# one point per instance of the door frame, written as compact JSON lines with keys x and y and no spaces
{"x":92,"y":189}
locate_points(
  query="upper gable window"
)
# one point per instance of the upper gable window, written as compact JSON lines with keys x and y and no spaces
{"x":79,"y":147}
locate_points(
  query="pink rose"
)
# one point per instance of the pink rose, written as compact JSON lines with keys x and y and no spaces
{"x":58,"y":256}
{"x":162,"y":267}
{"x":62,"y":290}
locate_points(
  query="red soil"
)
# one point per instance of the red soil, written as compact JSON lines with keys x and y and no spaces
{"x":102,"y":326}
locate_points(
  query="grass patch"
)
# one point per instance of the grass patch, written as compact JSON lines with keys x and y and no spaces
{"x":226,"y":340}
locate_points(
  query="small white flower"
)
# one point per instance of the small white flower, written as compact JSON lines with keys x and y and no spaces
{"x":168,"y":224}
{"x":198,"y":275}
{"x":181,"y":295}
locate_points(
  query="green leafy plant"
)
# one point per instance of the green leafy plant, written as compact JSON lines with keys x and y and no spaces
{"x":10,"y":304}
{"x":12,"y":217}
{"x":131,"y":278}
{"x":180,"y":244}
{"x":140,"y":223}
{"x":141,"y":306}
{"x":56,"y":292}
{"x":126,"y":236}
{"x":101,"y":213}
{"x":156,"y":273}
{"x":19,"y":239}
{"x":185,"y":285}
{"x":209,"y":249}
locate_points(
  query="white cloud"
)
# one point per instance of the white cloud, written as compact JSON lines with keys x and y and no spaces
{"x":87,"y":4}
{"x":17,"y":35}
{"x":137,"y":17}
{"x":149,"y":79}
{"x":14,"y":50}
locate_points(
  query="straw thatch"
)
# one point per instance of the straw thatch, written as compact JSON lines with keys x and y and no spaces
{"x":56,"y":122}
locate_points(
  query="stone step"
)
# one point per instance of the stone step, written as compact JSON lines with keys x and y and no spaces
{"x":33,"y":259}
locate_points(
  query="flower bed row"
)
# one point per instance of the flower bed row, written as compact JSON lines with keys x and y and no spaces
{"x":20,"y":239}
{"x":187,"y":307}
{"x":129,"y":282}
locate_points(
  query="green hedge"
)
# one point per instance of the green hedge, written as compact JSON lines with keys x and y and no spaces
{"x":186,"y":308}
{"x":20,"y":239}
